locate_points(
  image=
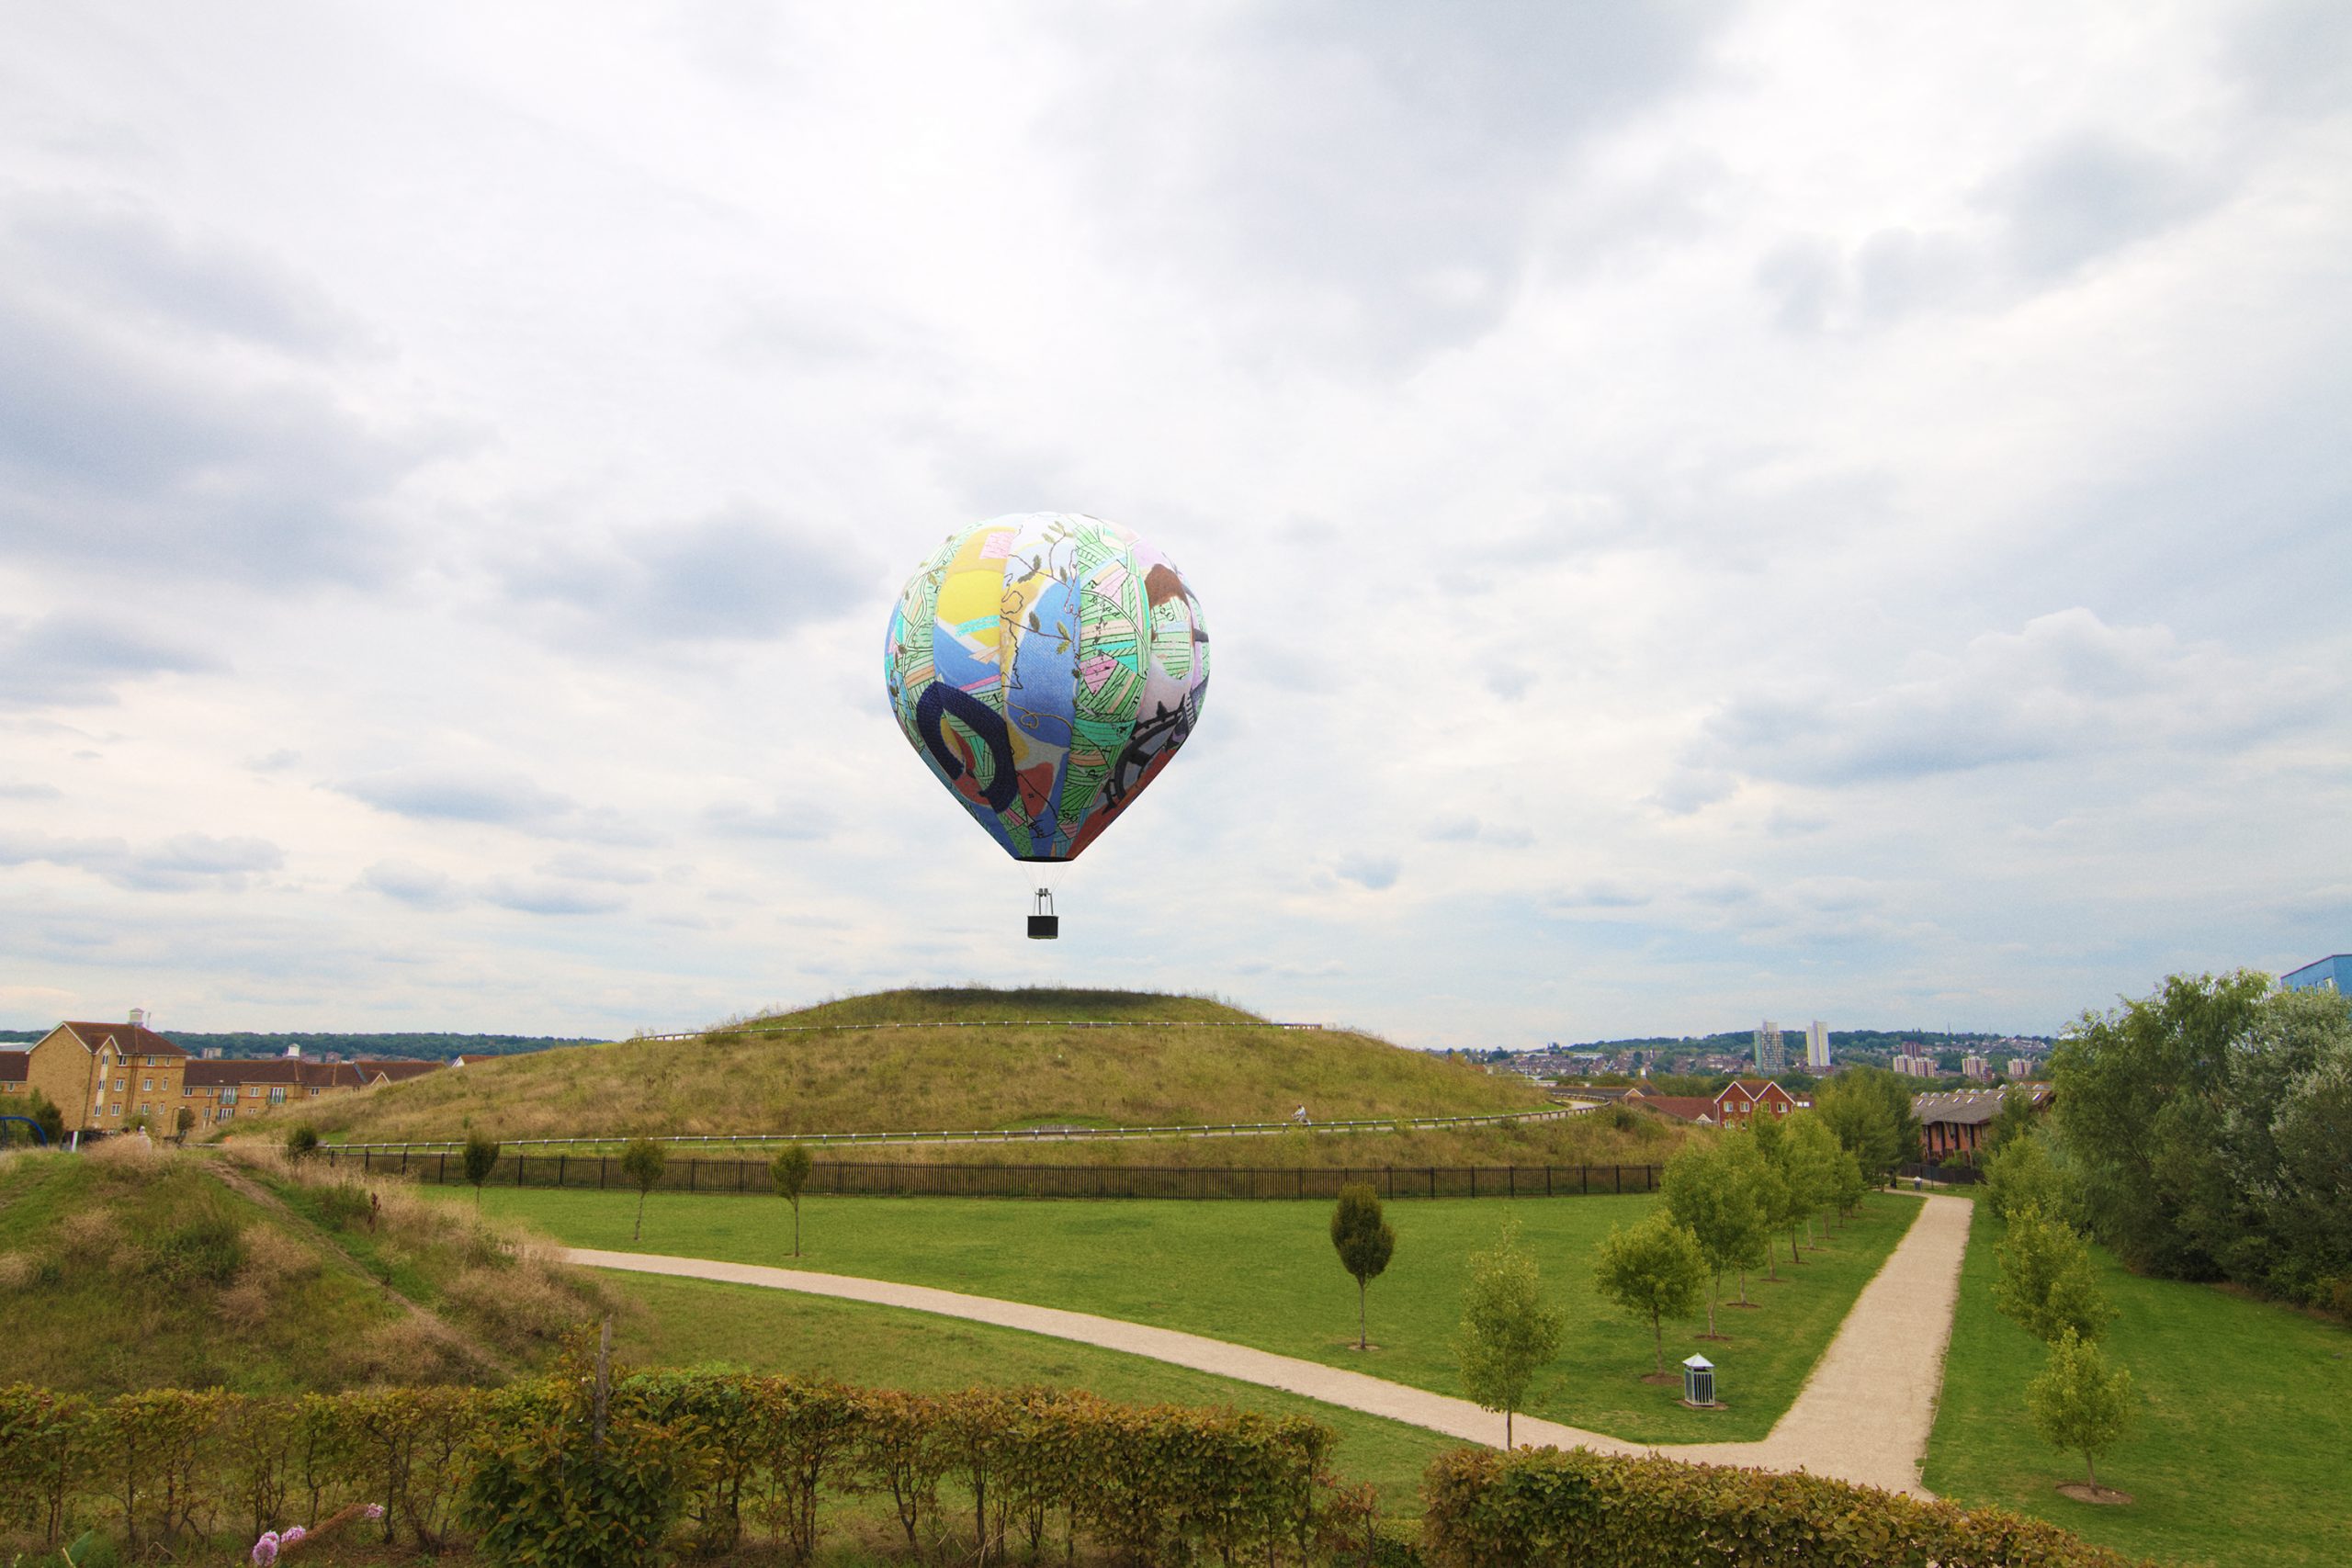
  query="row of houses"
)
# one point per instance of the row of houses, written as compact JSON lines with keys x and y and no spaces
{"x":1731,"y":1107}
{"x":1952,"y":1127}
{"x":103,"y":1077}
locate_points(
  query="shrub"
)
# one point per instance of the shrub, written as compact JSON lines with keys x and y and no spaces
{"x":301,"y":1141}
{"x":1549,"y":1506}
{"x":207,"y":1250}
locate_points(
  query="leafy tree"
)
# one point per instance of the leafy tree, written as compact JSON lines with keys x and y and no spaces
{"x":2140,"y":1105}
{"x":2287,"y":1125}
{"x":1363,"y":1240}
{"x":789,"y":1171}
{"x":1851,"y":1188}
{"x":643,"y":1161}
{"x":301,"y":1141}
{"x":1813,"y":1155}
{"x":1709,"y":1193}
{"x":1653,"y":1271}
{"x":2079,"y":1403}
{"x":2025,"y":1173}
{"x":183,"y":1122}
{"x":479,"y":1160}
{"x":1767,"y":1192}
{"x":1508,"y":1333}
{"x":1784,"y":1194}
{"x":1869,"y":1109}
{"x":2047,"y":1285}
{"x":47,"y":1116}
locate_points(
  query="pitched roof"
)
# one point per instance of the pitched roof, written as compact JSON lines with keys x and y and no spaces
{"x":1682,"y":1107}
{"x":396,"y":1069}
{"x":271,"y":1070}
{"x":1971,"y":1107}
{"x":15,"y":1067}
{"x":132,"y":1039}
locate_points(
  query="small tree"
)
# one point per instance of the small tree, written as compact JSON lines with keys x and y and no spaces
{"x":301,"y":1141}
{"x":1814,"y":1155}
{"x":1746,"y":1171}
{"x":2078,"y":1403}
{"x":1363,"y":1241}
{"x":1507,"y":1333}
{"x":1706,"y":1192}
{"x":1851,"y":1185}
{"x":789,"y":1171}
{"x":183,"y":1122}
{"x":1654,"y":1271}
{"x":2047,"y":1285}
{"x":480,"y":1159}
{"x":2023,"y":1173}
{"x":642,"y":1162}
{"x":45,"y":1114}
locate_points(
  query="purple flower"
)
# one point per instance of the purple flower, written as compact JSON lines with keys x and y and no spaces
{"x":375,"y":1510}
{"x":266,"y":1550}
{"x":293,"y":1534}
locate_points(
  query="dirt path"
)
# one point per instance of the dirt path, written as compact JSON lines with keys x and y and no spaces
{"x":466,"y":1347}
{"x":1863,"y":1415}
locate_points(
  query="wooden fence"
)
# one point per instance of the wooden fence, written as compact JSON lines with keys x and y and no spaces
{"x":886,"y":1178}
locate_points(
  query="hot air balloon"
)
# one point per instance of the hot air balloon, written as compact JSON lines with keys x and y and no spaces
{"x":1046,"y":666}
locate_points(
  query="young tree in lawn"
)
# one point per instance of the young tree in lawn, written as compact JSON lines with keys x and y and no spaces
{"x":1653,"y":1271}
{"x":2024,"y":1173}
{"x":1706,"y":1191}
{"x":2047,"y":1285}
{"x":1851,"y":1188}
{"x":183,"y":1119}
{"x":479,"y":1160}
{"x":1813,"y":1158}
{"x":2079,"y":1404}
{"x":643,"y":1161}
{"x":1776,"y":1190}
{"x":1363,"y":1241}
{"x":1508,"y":1333}
{"x":1765,"y":1193}
{"x":789,"y":1171}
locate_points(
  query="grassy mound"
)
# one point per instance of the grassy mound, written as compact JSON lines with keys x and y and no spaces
{"x":129,"y":1268}
{"x":840,"y":1073}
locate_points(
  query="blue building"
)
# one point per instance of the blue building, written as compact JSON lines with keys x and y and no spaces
{"x":2329,"y":974}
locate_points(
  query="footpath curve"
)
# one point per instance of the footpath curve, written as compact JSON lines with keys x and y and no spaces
{"x":1863,"y":1415}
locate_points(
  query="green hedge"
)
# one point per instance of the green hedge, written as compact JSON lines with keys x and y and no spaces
{"x":1551,"y":1509}
{"x":743,"y":1460}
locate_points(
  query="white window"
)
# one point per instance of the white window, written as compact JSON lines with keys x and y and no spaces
{"x":146,"y":1086}
{"x":278,"y":1096}
{"x":115,"y":1111}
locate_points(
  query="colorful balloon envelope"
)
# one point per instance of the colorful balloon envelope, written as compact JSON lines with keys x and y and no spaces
{"x":1046,"y":666}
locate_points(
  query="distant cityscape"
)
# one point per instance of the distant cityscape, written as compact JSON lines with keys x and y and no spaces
{"x":1981,"y":1058}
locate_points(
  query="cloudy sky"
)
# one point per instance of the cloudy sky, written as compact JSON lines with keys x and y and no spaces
{"x":1707,"y":510}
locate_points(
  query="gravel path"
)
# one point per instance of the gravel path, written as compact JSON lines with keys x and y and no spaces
{"x":1862,"y":1417}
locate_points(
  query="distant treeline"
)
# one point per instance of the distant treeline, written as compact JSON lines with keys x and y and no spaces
{"x":419,"y":1047}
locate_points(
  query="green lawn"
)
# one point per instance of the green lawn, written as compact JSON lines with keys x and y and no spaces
{"x":2242,"y":1455}
{"x":1264,"y":1274}
{"x":692,"y":1323}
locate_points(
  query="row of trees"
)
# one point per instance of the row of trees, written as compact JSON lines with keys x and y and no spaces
{"x":643,"y":1161}
{"x":1729,"y":1202}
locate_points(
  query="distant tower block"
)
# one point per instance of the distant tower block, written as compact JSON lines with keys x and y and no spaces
{"x":1816,"y":1046}
{"x":1771,"y":1057}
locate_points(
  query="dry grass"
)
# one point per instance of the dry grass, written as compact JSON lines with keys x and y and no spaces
{"x":17,"y":1271}
{"x":998,"y":1074}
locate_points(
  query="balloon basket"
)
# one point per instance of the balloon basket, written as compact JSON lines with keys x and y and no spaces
{"x":1043,"y":924}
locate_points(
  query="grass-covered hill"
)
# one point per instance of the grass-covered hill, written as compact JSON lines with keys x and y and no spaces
{"x":127,"y":1267}
{"x":831,"y":1069}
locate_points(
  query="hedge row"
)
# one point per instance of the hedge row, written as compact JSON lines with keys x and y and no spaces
{"x":741,"y":1458}
{"x":1554,"y":1508}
